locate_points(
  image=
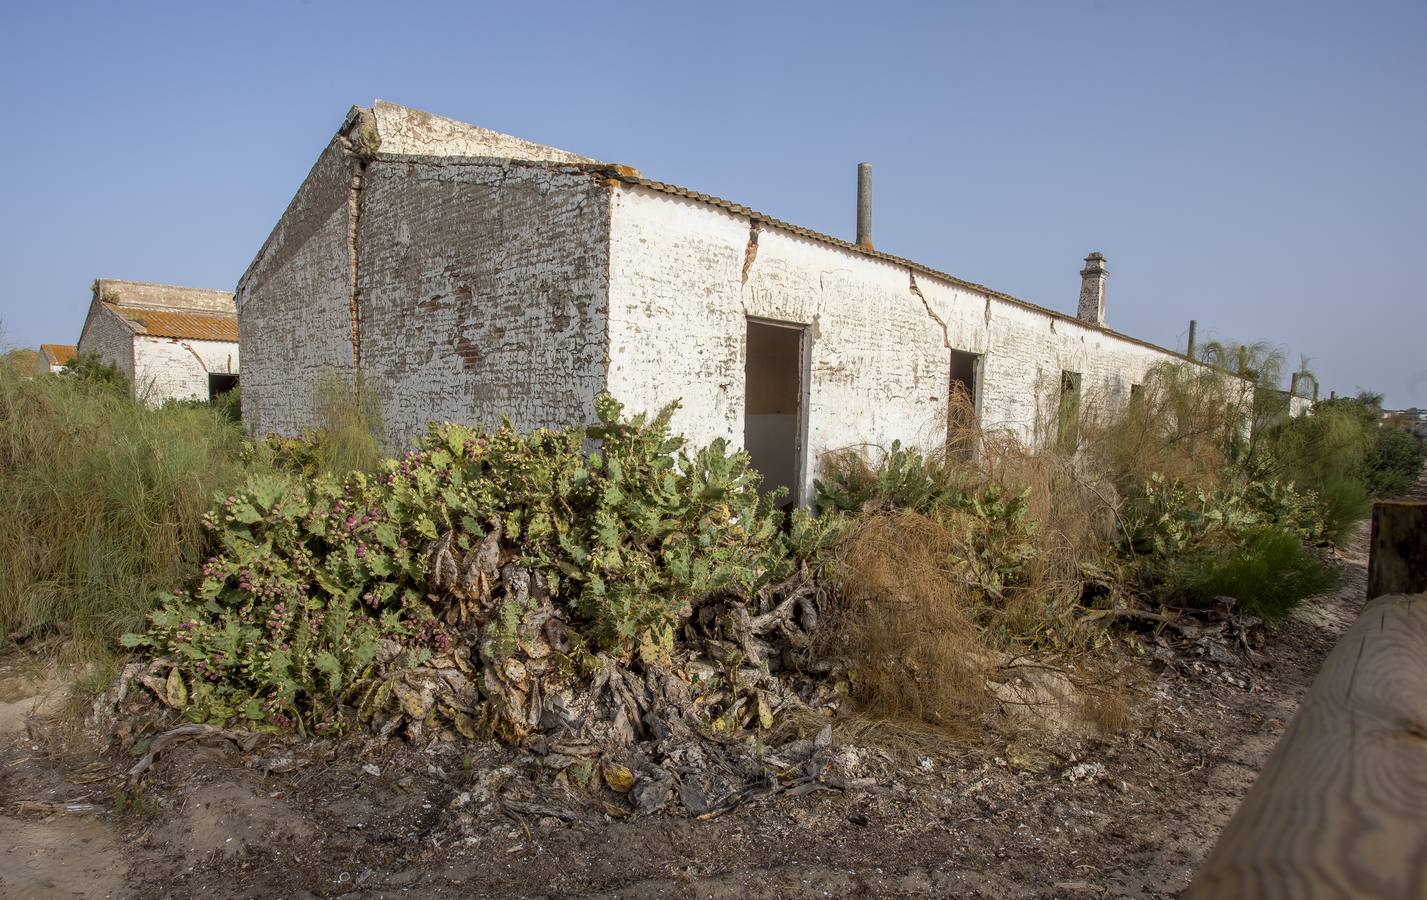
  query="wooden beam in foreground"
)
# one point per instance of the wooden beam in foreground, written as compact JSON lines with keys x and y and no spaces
{"x":1340,"y":809}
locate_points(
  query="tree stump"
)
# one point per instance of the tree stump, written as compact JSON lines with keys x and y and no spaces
{"x":1397,"y":561}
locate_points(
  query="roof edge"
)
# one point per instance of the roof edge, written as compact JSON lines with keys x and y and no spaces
{"x":161,"y":284}
{"x":954,"y":281}
{"x":631,"y":176}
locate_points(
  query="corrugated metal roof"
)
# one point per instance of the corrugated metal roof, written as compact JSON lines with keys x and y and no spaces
{"x":172,"y":324}
{"x":57,"y":354}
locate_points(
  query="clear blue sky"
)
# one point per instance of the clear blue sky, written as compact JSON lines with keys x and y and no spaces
{"x":1261,"y":167}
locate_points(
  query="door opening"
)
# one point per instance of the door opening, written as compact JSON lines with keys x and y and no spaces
{"x":1067,"y":432}
{"x":774,"y":404}
{"x":961,"y":404}
{"x":218,"y":385}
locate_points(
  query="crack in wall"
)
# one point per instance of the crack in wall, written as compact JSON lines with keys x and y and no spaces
{"x":606,"y":278}
{"x":354,"y":215}
{"x":189,"y":347}
{"x":750,"y":251}
{"x":945,"y":334}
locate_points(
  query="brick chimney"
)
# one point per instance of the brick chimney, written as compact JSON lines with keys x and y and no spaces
{"x":1092,"y":289}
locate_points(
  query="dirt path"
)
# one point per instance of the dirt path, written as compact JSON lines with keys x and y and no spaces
{"x":1130,"y":815}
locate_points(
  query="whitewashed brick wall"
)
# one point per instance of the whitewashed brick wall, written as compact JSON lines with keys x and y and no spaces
{"x":880,"y":349}
{"x":294,"y":319}
{"x":481,"y":292}
{"x":173,"y":369}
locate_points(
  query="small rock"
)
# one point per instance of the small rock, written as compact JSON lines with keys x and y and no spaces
{"x":372,"y":770}
{"x":1085,"y":771}
{"x":652,"y":794}
{"x":1021,"y":758}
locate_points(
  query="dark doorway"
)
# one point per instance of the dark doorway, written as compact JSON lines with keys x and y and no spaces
{"x":218,"y":385}
{"x":961,"y":404}
{"x":1067,"y":436}
{"x":774,"y":392}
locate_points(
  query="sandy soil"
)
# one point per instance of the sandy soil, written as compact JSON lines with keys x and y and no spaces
{"x":1128,"y":815}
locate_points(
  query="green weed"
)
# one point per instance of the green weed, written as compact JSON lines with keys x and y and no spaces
{"x":101,"y":504}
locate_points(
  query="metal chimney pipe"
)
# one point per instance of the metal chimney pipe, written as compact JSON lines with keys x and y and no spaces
{"x":864,"y":205}
{"x":1193,"y":333}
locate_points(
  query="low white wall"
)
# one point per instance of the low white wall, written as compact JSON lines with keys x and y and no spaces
{"x":172,"y":369}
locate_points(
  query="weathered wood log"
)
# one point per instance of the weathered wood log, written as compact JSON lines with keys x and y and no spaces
{"x":1340,"y":809}
{"x":1397,"y":560}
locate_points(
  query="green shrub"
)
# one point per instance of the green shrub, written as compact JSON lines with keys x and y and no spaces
{"x":1268,"y":572}
{"x":1246,"y":541}
{"x":1395,"y":463}
{"x":1281,"y":504}
{"x":318,"y":581}
{"x":229,"y":404}
{"x":1171,"y":518}
{"x":900,"y":479}
{"x":101,"y":503}
{"x":1326,"y":453}
{"x":87,"y":367}
{"x":351,"y":434}
{"x":1343,"y":503}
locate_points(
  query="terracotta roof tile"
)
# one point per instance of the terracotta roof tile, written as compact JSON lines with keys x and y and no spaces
{"x":173,"y":324}
{"x":57,"y":354}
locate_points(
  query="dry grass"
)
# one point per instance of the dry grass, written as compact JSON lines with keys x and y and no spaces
{"x":101,"y":504}
{"x":904,"y":618}
{"x":1109,"y":711}
{"x":1072,"y":515}
{"x":943,"y":583}
{"x":934,"y":598}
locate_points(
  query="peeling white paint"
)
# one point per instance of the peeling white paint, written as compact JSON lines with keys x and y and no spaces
{"x":880,"y":364}
{"x":172,"y":369}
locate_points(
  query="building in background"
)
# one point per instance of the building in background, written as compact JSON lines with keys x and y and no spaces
{"x":172,"y":343}
{"x":54,"y":357}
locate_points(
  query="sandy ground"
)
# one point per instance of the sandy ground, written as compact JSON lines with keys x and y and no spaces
{"x":1127,"y":815}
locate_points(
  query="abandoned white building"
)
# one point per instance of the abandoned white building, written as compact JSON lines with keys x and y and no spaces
{"x":480,"y":276}
{"x":172,"y":343}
